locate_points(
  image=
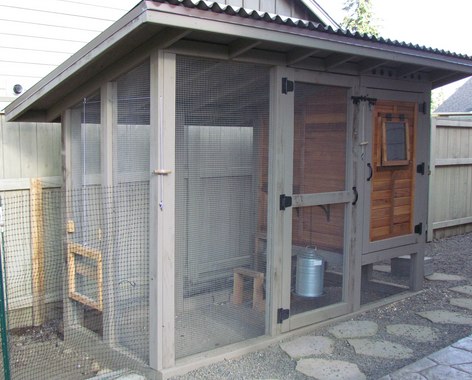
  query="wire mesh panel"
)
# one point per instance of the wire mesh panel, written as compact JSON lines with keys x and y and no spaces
{"x":319,"y":166}
{"x":221,"y":189}
{"x":131,"y":152}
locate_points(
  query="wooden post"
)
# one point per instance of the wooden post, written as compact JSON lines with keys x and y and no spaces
{"x":37,"y":245}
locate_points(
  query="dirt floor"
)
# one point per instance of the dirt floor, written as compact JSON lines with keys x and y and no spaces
{"x":40,"y":353}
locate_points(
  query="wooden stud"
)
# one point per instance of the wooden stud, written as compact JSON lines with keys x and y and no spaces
{"x":37,"y":238}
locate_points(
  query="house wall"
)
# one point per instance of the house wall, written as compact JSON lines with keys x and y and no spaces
{"x":451,"y":177}
{"x":36,"y":36}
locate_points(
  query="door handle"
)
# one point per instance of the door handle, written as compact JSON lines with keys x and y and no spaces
{"x":371,"y":172}
{"x":356,"y":196}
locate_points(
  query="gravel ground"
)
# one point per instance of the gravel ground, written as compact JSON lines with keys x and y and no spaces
{"x":40,"y":353}
{"x":451,"y":256}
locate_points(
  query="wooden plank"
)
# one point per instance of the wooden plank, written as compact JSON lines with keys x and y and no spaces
{"x":37,"y":241}
{"x":452,"y":161}
{"x":15,"y":184}
{"x":305,"y":200}
{"x":452,"y":222}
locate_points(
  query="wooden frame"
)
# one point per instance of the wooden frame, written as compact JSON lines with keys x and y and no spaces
{"x":387,"y":160}
{"x":73,"y":250}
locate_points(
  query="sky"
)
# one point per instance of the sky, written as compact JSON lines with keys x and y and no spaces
{"x":441,"y":24}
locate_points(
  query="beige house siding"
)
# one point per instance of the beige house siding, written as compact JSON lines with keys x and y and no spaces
{"x":36,"y":36}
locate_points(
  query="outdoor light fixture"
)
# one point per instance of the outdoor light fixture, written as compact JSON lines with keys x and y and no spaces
{"x":17,"y":89}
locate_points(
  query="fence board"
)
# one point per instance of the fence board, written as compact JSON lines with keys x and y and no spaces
{"x":451,"y":180}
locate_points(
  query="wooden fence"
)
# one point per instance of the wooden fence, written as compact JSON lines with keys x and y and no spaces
{"x":30,"y":156}
{"x":450,"y":202}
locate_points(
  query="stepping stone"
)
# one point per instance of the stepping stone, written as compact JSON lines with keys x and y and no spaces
{"x":354,"y":329}
{"x":381,"y":349}
{"x":308,"y":346}
{"x":445,"y":317}
{"x":444,"y":277}
{"x":465,"y":303}
{"x":413,"y":332}
{"x":322,"y":369}
{"x":465,"y":289}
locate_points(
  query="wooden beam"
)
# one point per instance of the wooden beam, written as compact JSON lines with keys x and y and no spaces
{"x":367,"y":65}
{"x":37,"y":241}
{"x":446,"y":79}
{"x":299,"y":54}
{"x":241,"y":46}
{"x":335,"y":60}
{"x":170,"y":36}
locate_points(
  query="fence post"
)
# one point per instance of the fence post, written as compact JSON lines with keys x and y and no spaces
{"x":37,"y":239}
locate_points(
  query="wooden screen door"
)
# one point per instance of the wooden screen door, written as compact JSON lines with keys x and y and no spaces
{"x":391,"y":168}
{"x":320,"y":213}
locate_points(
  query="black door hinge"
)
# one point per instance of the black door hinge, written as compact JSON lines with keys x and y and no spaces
{"x":282,"y":315}
{"x":419,"y":228}
{"x":423,"y":108}
{"x":357,"y":99}
{"x":420,"y":168}
{"x":285,"y":201}
{"x":287,"y":86}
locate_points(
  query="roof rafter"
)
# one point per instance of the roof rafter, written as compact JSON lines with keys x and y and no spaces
{"x":337,"y":59}
{"x":241,"y":46}
{"x":299,"y":54}
{"x":367,"y":65}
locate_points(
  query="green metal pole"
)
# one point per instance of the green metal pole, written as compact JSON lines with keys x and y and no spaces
{"x":3,"y":309}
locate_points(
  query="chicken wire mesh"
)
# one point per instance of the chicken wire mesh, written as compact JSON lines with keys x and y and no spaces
{"x":222,"y":118}
{"x":77,"y":299}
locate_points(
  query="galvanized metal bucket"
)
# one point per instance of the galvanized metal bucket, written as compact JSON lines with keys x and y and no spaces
{"x":310,"y":274}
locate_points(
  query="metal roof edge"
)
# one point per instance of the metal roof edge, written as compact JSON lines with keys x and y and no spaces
{"x":319,"y":11}
{"x":302,"y":34}
{"x":108,"y":37}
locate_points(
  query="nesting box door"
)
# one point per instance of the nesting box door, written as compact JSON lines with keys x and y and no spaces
{"x":394,"y":170}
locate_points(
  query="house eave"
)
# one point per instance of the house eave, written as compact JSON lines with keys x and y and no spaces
{"x":250,"y":36}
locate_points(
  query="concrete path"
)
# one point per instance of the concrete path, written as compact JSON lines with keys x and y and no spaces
{"x":453,"y":362}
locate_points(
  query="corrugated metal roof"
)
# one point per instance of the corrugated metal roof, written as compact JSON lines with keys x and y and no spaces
{"x":302,"y":24}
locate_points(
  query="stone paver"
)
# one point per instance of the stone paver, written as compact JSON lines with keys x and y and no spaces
{"x":413,"y":332}
{"x":445,"y":372}
{"x":444,"y":277}
{"x":381,"y":349}
{"x":354,"y":329}
{"x":308,"y":346}
{"x":445,"y":316}
{"x":453,"y":362}
{"x":322,"y":369}
{"x":465,"y":289}
{"x":451,"y":356}
{"x":465,"y":303}
{"x":464,"y":344}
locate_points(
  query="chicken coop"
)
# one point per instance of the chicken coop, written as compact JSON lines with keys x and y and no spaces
{"x":231,"y":175}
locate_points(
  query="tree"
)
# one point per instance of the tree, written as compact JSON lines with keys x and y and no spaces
{"x":360,"y":17}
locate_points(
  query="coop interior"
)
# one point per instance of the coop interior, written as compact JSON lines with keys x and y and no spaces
{"x":221,"y":174}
